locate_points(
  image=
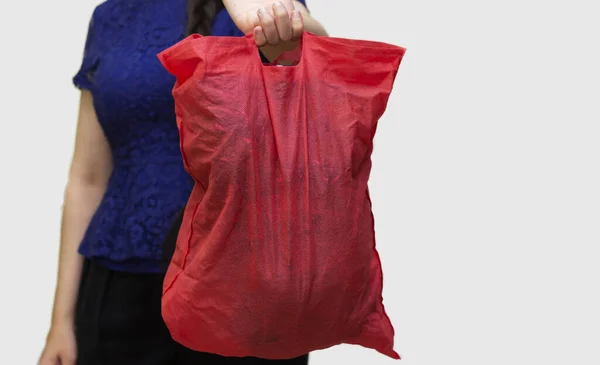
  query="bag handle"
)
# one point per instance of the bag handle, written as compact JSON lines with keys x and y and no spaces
{"x":296,"y":54}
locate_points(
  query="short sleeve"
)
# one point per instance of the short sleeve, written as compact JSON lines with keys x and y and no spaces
{"x":84,"y":79}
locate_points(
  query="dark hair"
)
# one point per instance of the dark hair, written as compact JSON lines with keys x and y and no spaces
{"x":201,"y":14}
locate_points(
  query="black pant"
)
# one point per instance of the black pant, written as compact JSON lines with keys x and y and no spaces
{"x":118,"y":322}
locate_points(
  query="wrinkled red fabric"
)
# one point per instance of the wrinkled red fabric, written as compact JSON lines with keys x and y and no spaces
{"x":276,"y":254}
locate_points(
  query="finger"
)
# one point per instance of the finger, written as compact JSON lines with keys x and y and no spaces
{"x":267,"y":23}
{"x":68,"y":360}
{"x":297,"y":25}
{"x":259,"y":36}
{"x":48,"y":360}
{"x":289,"y":5}
{"x":282,"y":21}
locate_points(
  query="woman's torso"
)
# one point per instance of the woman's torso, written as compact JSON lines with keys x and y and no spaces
{"x":132,"y":98}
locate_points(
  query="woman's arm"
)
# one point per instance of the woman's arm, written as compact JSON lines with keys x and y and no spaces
{"x":90,"y":169}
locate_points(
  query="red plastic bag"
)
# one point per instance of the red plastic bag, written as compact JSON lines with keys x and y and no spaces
{"x":276,"y":254}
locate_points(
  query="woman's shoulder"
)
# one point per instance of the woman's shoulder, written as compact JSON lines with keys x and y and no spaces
{"x":121,"y":22}
{"x":101,"y":9}
{"x":107,"y":11}
{"x":121,"y":12}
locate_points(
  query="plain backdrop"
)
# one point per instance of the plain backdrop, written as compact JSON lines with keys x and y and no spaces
{"x":485,"y":185}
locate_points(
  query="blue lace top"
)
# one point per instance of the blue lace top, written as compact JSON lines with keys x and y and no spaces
{"x":132,"y":98}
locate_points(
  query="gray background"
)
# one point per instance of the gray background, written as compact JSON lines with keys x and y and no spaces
{"x":485,"y":183}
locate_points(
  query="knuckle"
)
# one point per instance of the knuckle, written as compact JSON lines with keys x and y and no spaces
{"x":268,"y":23}
{"x":286,"y":36}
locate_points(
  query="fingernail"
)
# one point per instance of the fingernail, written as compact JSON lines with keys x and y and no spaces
{"x":296,"y":14}
{"x":262,"y":11}
{"x":278,"y":4}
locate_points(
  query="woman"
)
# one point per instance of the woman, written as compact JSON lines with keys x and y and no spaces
{"x":127,"y":183}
